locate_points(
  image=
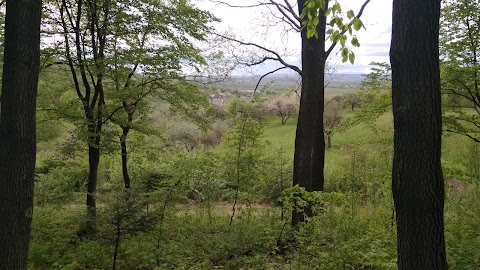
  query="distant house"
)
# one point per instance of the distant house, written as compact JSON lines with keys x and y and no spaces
{"x":217,"y":100}
{"x":247,"y":91}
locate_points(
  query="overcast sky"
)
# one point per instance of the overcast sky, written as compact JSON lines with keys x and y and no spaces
{"x":248,"y":24}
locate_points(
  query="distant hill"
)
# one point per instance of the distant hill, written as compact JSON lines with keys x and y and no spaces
{"x":285,"y":80}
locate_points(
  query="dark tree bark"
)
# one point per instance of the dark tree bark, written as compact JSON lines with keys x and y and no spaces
{"x":309,"y":158}
{"x":17,"y":130}
{"x":418,"y":187}
{"x":93,"y":162}
{"x":123,"y":143}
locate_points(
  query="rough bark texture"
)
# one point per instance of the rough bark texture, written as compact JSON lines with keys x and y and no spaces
{"x":418,"y":188}
{"x":309,"y":156}
{"x":17,"y":130}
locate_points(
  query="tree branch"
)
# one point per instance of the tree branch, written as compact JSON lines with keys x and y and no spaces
{"x":277,"y":58}
{"x":265,"y":75}
{"x":463,"y":133}
{"x":330,"y":49}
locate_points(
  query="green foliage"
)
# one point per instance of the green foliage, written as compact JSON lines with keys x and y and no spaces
{"x":243,"y":154}
{"x":460,"y":67}
{"x":183,"y":190}
{"x":241,"y":107}
{"x":337,"y":28}
{"x":278,"y":172}
{"x":461,"y":230}
{"x":57,"y":180}
{"x":376,"y":96}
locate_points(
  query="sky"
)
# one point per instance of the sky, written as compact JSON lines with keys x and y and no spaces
{"x":250,"y":25}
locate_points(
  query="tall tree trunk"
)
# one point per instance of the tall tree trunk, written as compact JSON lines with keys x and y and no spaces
{"x":123,"y":144}
{"x":17,"y":130}
{"x":418,"y":187}
{"x":93,"y":161}
{"x":130,"y":108}
{"x":329,"y":141}
{"x":309,"y":155}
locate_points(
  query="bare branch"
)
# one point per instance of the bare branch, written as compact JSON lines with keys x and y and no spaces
{"x":463,"y":133}
{"x":295,"y":21}
{"x":278,"y":58}
{"x":239,"y":6}
{"x":265,"y":75}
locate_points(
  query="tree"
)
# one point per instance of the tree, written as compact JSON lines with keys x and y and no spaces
{"x":284,"y":106}
{"x":17,"y":129}
{"x":353,"y":100}
{"x":318,"y":39}
{"x":331,"y":119}
{"x":244,"y":152}
{"x":376,"y":96}
{"x":105,"y":44}
{"x":460,"y":49}
{"x":379,"y":79}
{"x":309,"y":157}
{"x":418,"y":187}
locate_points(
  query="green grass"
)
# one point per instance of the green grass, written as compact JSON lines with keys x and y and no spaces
{"x":284,"y":135}
{"x":281,"y":135}
{"x":455,"y":148}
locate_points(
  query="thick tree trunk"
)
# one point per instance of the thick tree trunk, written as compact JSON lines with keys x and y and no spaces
{"x":17,"y":130}
{"x":418,"y":187}
{"x":93,"y":161}
{"x":309,"y":155}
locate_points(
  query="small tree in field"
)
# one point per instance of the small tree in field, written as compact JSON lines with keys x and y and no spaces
{"x":243,"y":153}
{"x":352,"y":100}
{"x":285,"y":106}
{"x":331,"y":119}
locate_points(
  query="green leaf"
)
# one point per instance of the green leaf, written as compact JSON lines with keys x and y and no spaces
{"x":343,"y":39}
{"x":351,"y":57}
{"x":350,"y":14}
{"x":328,"y":12}
{"x":357,"y":24}
{"x":337,"y":8}
{"x":355,"y":42}
{"x":335,"y":36}
{"x":339,"y":22}
{"x":344,"y":54}
{"x":332,"y":22}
